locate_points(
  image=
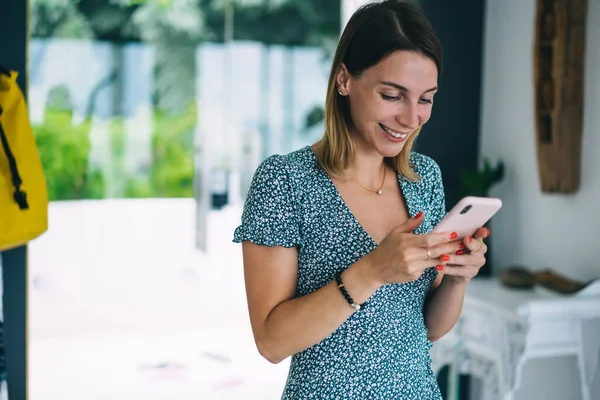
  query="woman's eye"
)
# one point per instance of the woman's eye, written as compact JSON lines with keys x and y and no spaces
{"x":390,"y":98}
{"x":394,"y":98}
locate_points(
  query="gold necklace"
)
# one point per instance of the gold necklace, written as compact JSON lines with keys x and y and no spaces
{"x":378,"y":191}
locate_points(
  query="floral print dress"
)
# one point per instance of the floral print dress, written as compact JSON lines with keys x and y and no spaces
{"x":382,"y":350}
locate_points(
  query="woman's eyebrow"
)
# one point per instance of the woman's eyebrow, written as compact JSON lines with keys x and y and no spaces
{"x":402,"y":88}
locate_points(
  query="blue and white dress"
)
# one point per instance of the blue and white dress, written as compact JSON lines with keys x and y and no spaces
{"x":382,"y":350}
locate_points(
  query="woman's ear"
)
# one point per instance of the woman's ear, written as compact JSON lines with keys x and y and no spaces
{"x":343,"y":80}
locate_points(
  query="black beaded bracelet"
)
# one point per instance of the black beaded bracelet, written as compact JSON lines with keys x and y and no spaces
{"x":340,"y":285}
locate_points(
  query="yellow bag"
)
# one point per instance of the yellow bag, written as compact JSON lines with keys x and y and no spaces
{"x":23,"y":191}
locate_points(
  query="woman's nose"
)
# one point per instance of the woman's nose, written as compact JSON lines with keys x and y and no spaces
{"x":409,"y":116}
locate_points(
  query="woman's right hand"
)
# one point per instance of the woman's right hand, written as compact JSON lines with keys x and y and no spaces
{"x":403,"y":256}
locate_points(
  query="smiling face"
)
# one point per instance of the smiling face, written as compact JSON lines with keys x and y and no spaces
{"x":390,"y":101}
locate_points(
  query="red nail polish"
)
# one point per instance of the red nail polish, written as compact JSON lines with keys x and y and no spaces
{"x":445,"y":257}
{"x":470,"y":239}
{"x":487,"y":232}
{"x":462,"y":246}
{"x":460,"y":253}
{"x":439,"y":267}
{"x":419,"y":215}
{"x":453,"y":235}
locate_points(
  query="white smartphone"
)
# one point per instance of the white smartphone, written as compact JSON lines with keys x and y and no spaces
{"x":468,"y":215}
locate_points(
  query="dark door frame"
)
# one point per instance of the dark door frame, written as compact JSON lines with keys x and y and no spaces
{"x":452,"y":135}
{"x":13,"y":54}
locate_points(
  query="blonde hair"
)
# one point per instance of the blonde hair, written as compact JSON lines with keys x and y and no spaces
{"x":373,"y":32}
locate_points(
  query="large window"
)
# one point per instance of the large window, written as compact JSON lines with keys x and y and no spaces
{"x":141,"y":108}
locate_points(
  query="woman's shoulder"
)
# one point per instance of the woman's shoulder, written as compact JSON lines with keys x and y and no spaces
{"x":293,"y":165}
{"x":270,"y":210}
{"x":301,"y":160}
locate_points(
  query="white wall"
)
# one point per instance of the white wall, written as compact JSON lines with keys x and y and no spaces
{"x":533,"y":229}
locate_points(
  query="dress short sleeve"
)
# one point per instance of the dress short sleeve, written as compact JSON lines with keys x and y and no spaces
{"x":270,"y":214}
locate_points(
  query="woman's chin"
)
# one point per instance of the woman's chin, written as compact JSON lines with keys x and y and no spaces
{"x":390,"y":151}
{"x":384,"y":148}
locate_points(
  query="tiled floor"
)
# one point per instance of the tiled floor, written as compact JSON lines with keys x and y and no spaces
{"x":123,"y":307}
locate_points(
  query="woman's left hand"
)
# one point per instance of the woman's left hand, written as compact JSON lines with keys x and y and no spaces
{"x":465,"y":264}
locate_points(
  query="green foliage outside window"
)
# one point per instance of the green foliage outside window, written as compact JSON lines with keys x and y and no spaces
{"x":65,"y":150}
{"x":172,"y":169}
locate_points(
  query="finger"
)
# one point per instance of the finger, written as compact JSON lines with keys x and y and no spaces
{"x":424,"y":264}
{"x":463,"y":271}
{"x":432,"y":240}
{"x":482,"y":233}
{"x":411,"y":224}
{"x":432,"y":254}
{"x":463,"y":259}
{"x":475,"y":245}
{"x":454,"y":247}
{"x":417,"y":256}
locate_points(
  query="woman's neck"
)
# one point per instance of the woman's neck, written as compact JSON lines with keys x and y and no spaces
{"x":366,"y":167}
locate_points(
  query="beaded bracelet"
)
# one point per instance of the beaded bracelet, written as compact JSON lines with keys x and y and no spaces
{"x":340,"y":285}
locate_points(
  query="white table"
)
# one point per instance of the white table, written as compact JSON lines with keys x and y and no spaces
{"x":500,"y":329}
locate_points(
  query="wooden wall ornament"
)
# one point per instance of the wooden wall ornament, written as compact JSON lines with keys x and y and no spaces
{"x":559,"y":58}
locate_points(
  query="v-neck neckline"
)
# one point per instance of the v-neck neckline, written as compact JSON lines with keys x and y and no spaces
{"x":403,"y":188}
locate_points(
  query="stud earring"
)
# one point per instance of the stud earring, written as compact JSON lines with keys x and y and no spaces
{"x":340,"y":92}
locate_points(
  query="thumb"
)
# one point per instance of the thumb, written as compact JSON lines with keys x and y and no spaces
{"x":411,"y":224}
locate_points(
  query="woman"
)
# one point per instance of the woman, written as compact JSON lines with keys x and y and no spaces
{"x":341,"y":273}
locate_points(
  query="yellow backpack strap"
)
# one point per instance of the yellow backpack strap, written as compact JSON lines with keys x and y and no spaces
{"x":19,"y":195}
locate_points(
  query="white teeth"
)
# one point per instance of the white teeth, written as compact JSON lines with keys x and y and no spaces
{"x":397,"y":135}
